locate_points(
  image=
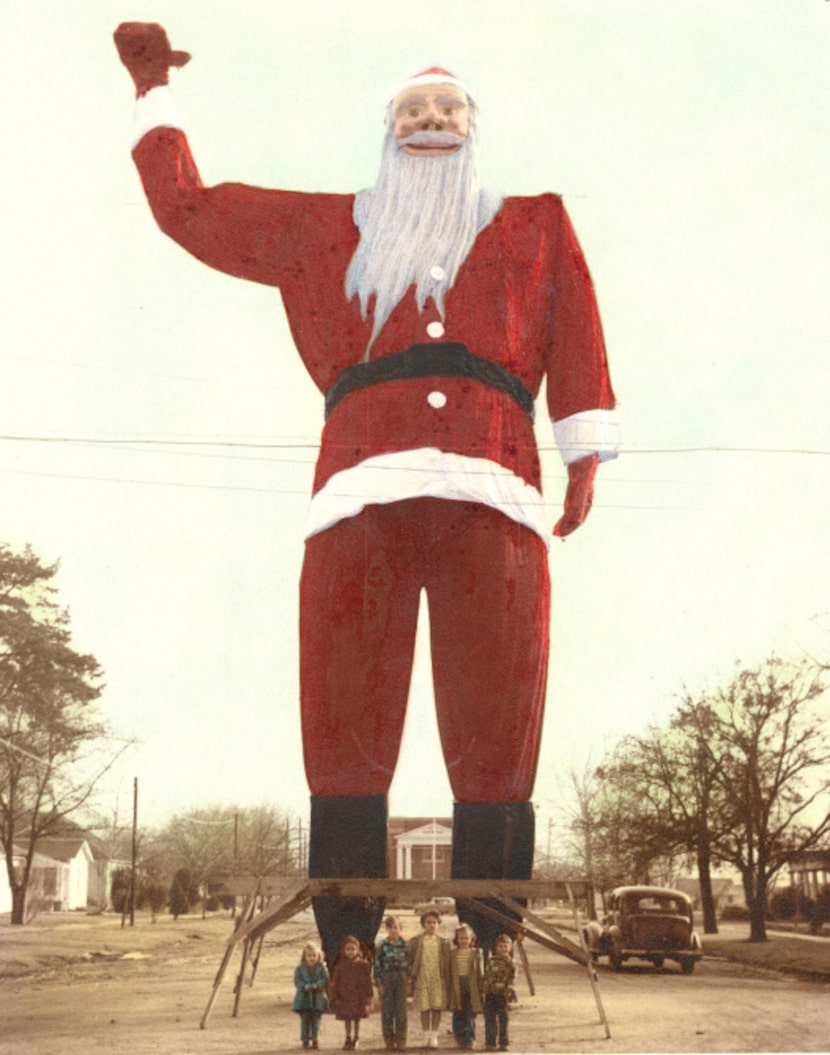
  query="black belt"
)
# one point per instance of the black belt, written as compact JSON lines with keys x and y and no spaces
{"x":428,"y":360}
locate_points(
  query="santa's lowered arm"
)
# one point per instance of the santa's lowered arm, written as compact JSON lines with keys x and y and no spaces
{"x":579,"y":496}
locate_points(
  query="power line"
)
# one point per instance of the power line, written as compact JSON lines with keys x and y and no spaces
{"x":313,"y":444}
{"x":128,"y":442}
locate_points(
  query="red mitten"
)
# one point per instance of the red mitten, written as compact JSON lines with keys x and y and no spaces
{"x":579,"y":496}
{"x":144,"y":49}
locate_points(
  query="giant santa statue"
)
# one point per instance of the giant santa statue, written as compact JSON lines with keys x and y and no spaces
{"x":428,"y":312}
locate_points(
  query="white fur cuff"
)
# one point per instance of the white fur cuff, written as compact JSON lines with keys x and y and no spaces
{"x":154,"y":109}
{"x":591,"y":432}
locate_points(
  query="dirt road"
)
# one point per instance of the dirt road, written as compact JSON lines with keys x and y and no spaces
{"x":86,"y":986}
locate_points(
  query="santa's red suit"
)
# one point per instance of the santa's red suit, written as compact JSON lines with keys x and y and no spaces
{"x":428,"y":478}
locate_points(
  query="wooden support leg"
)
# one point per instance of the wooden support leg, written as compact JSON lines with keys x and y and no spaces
{"x":592,"y":974}
{"x":246,"y":952}
{"x":255,"y":959}
{"x":555,"y":939}
{"x":566,"y":947}
{"x":226,"y":959}
{"x":525,"y":963}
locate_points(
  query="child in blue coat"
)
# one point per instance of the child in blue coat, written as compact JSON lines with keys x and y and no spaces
{"x":311,"y":982}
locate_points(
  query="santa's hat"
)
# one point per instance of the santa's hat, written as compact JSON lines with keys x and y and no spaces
{"x":434,"y":75}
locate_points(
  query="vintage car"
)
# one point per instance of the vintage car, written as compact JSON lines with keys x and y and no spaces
{"x":649,"y":923}
{"x":444,"y":906}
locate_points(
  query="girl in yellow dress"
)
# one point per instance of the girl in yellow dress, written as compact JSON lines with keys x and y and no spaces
{"x":429,"y":975}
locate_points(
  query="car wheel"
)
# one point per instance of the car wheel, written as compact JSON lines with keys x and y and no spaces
{"x":687,"y":965}
{"x":615,"y":955}
{"x":658,"y":962}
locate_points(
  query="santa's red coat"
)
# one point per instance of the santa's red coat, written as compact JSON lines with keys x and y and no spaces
{"x":523,"y":299}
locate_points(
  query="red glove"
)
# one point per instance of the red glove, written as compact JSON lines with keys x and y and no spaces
{"x":144,"y":49}
{"x":579,"y":496}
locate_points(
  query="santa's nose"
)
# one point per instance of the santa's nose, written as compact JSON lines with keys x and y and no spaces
{"x":433,"y":121}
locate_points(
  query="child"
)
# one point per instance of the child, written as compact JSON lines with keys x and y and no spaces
{"x":392,"y":979}
{"x":351,"y":990}
{"x":466,"y":997}
{"x":499,"y":975}
{"x":429,"y":975}
{"x":311,"y":982}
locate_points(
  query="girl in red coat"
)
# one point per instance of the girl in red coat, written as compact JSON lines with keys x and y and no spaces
{"x":351,"y":989}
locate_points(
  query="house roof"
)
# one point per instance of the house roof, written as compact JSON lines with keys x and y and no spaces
{"x":405,"y":824}
{"x":63,"y":849}
{"x":433,"y":832}
{"x":692,"y":886}
{"x":68,"y":831}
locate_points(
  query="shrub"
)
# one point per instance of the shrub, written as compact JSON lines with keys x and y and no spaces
{"x":154,"y":896}
{"x":120,"y":889}
{"x":183,"y":893}
{"x":783,"y":904}
{"x":818,"y":911}
{"x":735,"y":913}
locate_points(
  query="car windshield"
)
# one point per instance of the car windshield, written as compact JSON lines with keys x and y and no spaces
{"x":656,"y":903}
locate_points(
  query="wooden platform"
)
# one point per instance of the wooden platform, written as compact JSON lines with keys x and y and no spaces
{"x":284,"y":898}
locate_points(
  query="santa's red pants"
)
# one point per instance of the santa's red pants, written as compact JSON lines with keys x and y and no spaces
{"x":487,"y":585}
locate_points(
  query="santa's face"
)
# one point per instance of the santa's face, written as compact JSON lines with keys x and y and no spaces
{"x":431,"y":108}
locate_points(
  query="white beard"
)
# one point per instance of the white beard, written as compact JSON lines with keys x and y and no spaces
{"x":422,"y":212}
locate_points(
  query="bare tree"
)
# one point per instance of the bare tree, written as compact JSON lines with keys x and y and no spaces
{"x":766,"y":737}
{"x":668,"y":779}
{"x":584,"y":790}
{"x":49,"y":723}
{"x":215,"y":841}
{"x":738,"y":775}
{"x":607,"y":824}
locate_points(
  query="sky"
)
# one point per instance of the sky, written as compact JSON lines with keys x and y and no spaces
{"x":158,"y":430}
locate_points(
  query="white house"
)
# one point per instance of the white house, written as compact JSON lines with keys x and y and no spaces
{"x":420,"y":848}
{"x":65,"y":880}
{"x":60,"y":876}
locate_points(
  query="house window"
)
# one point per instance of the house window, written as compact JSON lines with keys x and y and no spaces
{"x":50,"y":882}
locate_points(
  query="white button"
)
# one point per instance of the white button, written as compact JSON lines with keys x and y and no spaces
{"x":437,"y":400}
{"x":436,"y":329}
{"x":437,"y":272}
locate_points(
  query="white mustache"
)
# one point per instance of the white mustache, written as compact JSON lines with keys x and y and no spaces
{"x":431,"y":139}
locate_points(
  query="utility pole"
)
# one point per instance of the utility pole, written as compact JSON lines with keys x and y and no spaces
{"x":134,"y":850}
{"x":130,"y":899}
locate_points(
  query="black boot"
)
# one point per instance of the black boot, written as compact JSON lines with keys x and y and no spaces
{"x":492,"y":840}
{"x":347,"y":839}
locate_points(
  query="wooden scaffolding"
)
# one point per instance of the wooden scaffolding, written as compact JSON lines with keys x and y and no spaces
{"x":285,"y":898}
